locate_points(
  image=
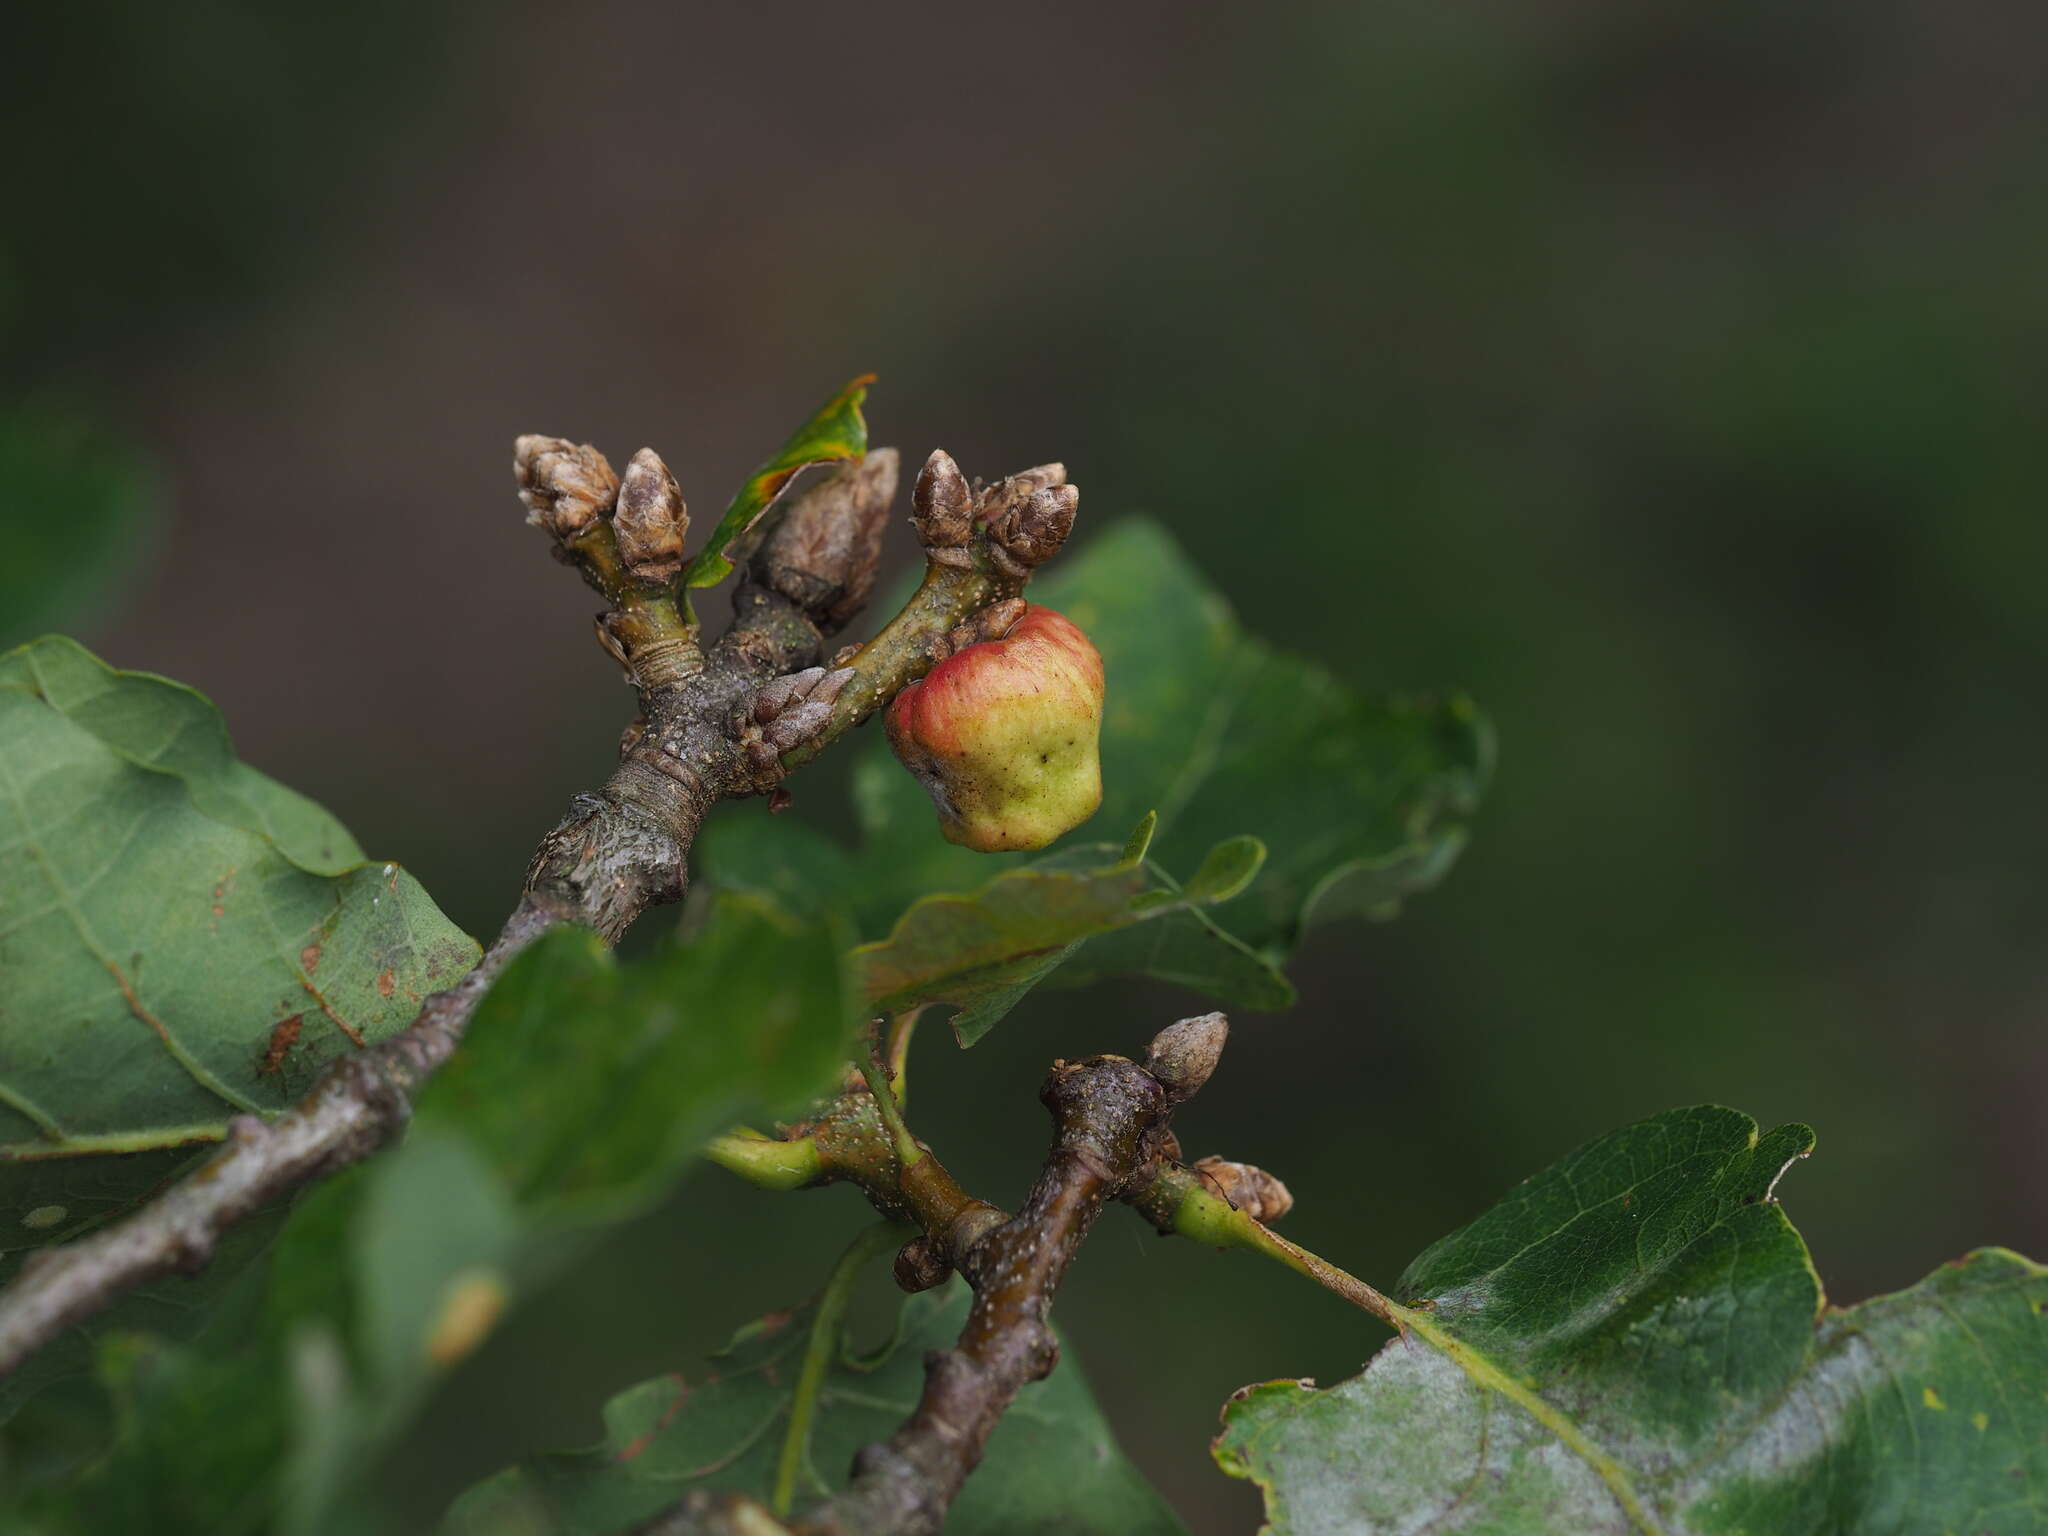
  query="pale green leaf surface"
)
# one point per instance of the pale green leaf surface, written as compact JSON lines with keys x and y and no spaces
{"x":590,"y":1084}
{"x":1635,"y":1340}
{"x":181,"y":939}
{"x":584,"y":1089}
{"x":981,"y":952}
{"x":1052,"y":1464}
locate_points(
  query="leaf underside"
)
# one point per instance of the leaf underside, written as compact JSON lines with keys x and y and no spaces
{"x":1635,"y":1341}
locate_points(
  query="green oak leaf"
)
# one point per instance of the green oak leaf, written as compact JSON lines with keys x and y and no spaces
{"x":585,"y":1087}
{"x":1635,"y":1341}
{"x":1361,"y":800}
{"x":834,"y":434}
{"x":982,"y":952}
{"x":639,"y":1064}
{"x":182,"y":938}
{"x":1052,"y":1464}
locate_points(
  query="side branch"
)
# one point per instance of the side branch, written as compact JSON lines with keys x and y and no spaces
{"x":1110,"y":1134}
{"x":1109,"y":1115}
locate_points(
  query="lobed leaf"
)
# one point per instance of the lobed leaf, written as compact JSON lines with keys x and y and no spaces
{"x":1635,"y":1341}
{"x":1052,"y":1463}
{"x":835,"y":433}
{"x":585,"y":1088}
{"x":183,"y":939}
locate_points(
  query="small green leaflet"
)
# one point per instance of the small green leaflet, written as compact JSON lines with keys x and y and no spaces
{"x":1052,"y":1464}
{"x":983,"y":952}
{"x":835,"y":434}
{"x":1635,"y":1341}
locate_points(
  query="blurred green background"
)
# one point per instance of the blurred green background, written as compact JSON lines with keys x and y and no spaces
{"x":1671,"y":378}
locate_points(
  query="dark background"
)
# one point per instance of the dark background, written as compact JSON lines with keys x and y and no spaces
{"x":1671,"y":379}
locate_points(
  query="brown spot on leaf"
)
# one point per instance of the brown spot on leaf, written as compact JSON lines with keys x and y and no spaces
{"x":309,"y":958}
{"x":640,"y":1442}
{"x":355,"y":1035}
{"x":386,"y":982}
{"x":282,"y":1038}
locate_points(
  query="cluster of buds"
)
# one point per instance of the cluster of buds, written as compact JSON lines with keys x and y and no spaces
{"x":1026,"y":516}
{"x":570,"y":487}
{"x":566,"y":486}
{"x":788,"y":712}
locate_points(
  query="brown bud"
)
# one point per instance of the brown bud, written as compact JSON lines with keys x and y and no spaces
{"x":920,"y":1266}
{"x":777,"y":695}
{"x":1033,"y":530}
{"x":797,"y":725}
{"x":566,"y":486}
{"x":651,"y":520}
{"x":1014,"y":490}
{"x":1183,"y":1055}
{"x":1252,"y":1190}
{"x":942,"y":506}
{"x":993,"y":623}
{"x":813,"y":685}
{"x":823,"y":551}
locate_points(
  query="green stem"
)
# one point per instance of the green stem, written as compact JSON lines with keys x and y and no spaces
{"x":896,"y":1051}
{"x":1178,"y":1202}
{"x":907,"y":1150}
{"x":766,"y":1162}
{"x":901,"y":653}
{"x":821,"y":1347}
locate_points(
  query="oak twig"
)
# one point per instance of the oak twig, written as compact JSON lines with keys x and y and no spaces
{"x":1111,"y":1135}
{"x":713,"y":725}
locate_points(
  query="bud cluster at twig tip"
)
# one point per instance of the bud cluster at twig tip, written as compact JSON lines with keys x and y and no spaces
{"x":651,"y":520}
{"x":1184,"y":1055}
{"x":566,"y":486}
{"x":1029,"y":515}
{"x":1251,"y":1190}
